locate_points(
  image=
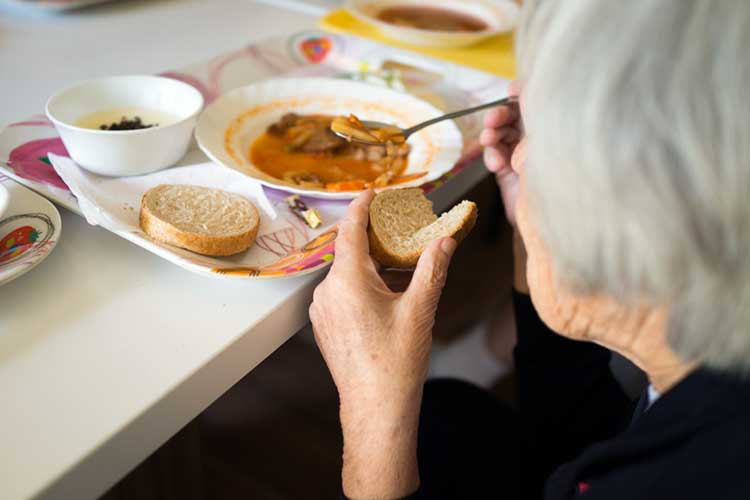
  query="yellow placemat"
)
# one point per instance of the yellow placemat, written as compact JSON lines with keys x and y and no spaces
{"x":494,"y":55}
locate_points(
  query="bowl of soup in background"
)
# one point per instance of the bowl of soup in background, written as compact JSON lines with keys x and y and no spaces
{"x":438,"y":23}
{"x":126,"y":125}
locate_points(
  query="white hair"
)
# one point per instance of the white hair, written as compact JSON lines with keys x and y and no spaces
{"x":637,"y":115}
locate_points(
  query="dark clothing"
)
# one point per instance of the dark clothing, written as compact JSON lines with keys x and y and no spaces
{"x":469,"y":444}
{"x":575,"y":434}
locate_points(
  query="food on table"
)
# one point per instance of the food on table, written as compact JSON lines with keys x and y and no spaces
{"x":302,"y":150}
{"x":310,"y":215}
{"x":204,"y":220}
{"x":126,"y":119}
{"x":353,"y":128}
{"x":402,"y":224}
{"x":431,"y":18}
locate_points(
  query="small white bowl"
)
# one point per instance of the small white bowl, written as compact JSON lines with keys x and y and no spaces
{"x":499,"y":15}
{"x":126,"y":152}
{"x":4,"y":200}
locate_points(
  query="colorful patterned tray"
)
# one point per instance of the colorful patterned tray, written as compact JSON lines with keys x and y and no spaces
{"x":25,"y":145}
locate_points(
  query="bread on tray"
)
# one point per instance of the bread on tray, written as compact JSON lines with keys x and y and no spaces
{"x":204,"y":220}
{"x":402,"y":224}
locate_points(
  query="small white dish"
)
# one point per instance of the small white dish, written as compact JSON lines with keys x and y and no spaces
{"x":4,"y":200}
{"x":229,"y":126}
{"x":500,"y":16}
{"x":29,"y":231}
{"x":126,"y":152}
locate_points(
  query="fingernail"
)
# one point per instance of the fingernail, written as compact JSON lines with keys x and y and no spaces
{"x":448,"y":246}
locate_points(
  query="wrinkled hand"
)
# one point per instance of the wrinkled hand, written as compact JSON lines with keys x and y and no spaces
{"x":376,"y":343}
{"x":502,"y":134}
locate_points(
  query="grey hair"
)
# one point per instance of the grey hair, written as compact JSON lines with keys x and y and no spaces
{"x":637,"y":115}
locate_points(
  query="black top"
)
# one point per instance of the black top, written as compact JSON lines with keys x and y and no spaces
{"x":692,"y":443}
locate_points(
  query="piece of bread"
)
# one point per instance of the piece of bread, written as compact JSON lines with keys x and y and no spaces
{"x":402,"y":224}
{"x":204,"y":220}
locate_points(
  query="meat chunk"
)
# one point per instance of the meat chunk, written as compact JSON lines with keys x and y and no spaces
{"x":322,"y":140}
{"x":285,"y":123}
{"x":307,"y":134}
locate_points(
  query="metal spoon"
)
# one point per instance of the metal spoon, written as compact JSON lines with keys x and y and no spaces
{"x":406,"y":132}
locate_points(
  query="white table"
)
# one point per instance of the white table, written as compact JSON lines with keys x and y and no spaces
{"x":105,"y":349}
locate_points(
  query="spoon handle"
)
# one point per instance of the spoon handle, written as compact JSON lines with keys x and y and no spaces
{"x":456,"y":114}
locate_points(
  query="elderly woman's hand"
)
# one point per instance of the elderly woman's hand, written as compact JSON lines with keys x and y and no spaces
{"x":376,"y":344}
{"x":502,"y":134}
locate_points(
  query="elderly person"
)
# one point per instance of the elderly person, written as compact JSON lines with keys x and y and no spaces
{"x":630,"y":193}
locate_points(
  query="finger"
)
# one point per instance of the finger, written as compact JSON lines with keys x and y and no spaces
{"x":351,"y":242}
{"x":493,"y":118}
{"x":504,"y":115}
{"x":489,"y":137}
{"x":430,"y":275}
{"x":511,"y":136}
{"x":497,"y":158}
{"x":492,"y":136}
{"x":497,"y":117}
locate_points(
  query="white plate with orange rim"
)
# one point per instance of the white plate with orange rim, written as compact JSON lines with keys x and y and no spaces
{"x":492,"y":17}
{"x":227,"y":128}
{"x":29,"y":230}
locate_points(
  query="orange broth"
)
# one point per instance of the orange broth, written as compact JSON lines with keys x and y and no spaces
{"x":338,"y":171}
{"x":268,"y":154}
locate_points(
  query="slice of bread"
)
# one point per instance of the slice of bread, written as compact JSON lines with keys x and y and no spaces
{"x":402,"y":224}
{"x":204,"y":220}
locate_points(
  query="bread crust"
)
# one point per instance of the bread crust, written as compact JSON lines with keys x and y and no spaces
{"x":204,"y":244}
{"x":390,"y":258}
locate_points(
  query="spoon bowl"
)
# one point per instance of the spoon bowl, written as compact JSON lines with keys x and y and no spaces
{"x":376,"y":133}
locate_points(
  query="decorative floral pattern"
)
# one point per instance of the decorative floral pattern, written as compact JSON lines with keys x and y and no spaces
{"x":315,"y":254}
{"x":30,"y":161}
{"x":316,"y":49}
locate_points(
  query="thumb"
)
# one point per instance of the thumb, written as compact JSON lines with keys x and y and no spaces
{"x":430,"y":274}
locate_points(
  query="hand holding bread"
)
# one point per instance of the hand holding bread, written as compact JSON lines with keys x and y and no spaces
{"x":376,"y":342}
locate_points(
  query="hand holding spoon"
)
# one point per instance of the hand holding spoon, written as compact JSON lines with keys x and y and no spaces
{"x":378,"y":134}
